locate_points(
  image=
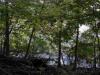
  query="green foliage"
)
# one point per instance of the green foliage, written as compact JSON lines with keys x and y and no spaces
{"x":48,"y":18}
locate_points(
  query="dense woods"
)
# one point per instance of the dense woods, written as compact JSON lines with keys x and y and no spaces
{"x":49,"y":37}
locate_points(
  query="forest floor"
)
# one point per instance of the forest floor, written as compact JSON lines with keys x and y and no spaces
{"x":12,"y":66}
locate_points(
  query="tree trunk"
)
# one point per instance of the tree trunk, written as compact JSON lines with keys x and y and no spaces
{"x":94,"y":53}
{"x":59,"y":51}
{"x":28,"y":47}
{"x":76,"y":48}
{"x":6,"y":38}
{"x":1,"y":47}
{"x":98,"y":42}
{"x":59,"y":48}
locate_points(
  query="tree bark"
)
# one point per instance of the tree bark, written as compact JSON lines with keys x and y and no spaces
{"x":6,"y":38}
{"x":97,"y":37}
{"x":59,"y":51}
{"x":76,"y":48}
{"x":28,"y":47}
{"x":59,"y":44}
{"x":94,"y":53}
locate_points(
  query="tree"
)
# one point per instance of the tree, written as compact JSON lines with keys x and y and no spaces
{"x":6,"y":41}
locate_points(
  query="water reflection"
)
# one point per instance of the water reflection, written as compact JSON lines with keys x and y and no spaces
{"x":65,"y":60}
